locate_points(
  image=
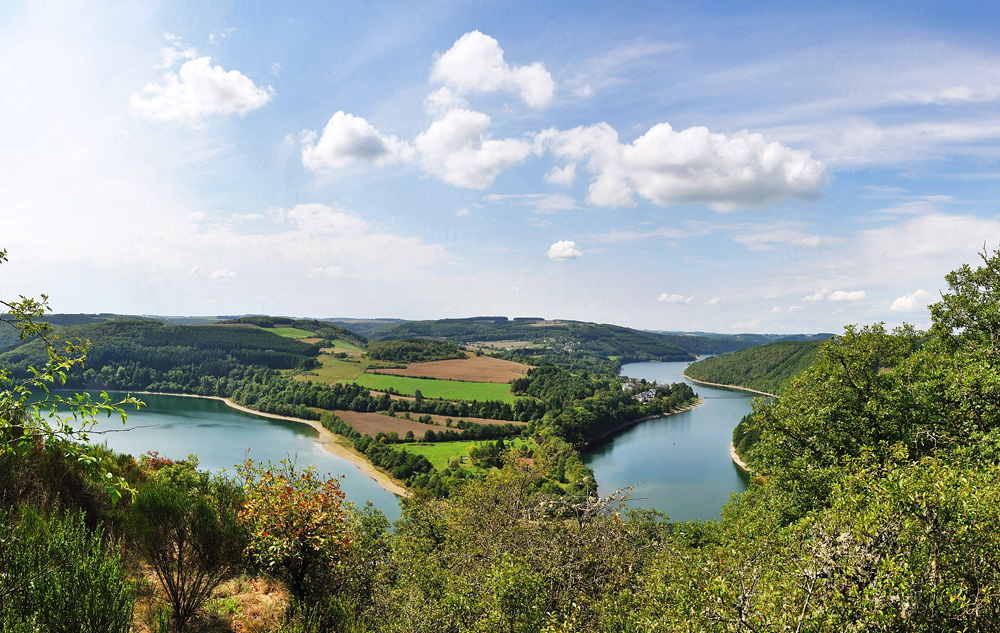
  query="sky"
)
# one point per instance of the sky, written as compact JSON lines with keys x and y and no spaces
{"x":726,"y":167}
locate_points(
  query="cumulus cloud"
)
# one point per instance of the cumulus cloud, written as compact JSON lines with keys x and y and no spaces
{"x":562,"y":175}
{"x":198,"y":90}
{"x":348,"y":139}
{"x":818,"y":296}
{"x":319,"y":219}
{"x":913,"y":302}
{"x":669,"y":167}
{"x":795,"y":308}
{"x":475,"y":63}
{"x":443,"y":100}
{"x":458,"y":150}
{"x":564,"y":249}
{"x":847,"y":295}
{"x":674,"y":298}
{"x":223,"y":273}
{"x":714,"y":301}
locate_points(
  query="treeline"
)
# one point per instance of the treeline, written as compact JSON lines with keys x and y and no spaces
{"x":322,"y":329}
{"x":581,"y":409}
{"x":138,"y":345}
{"x":413,"y":351}
{"x":764,"y":368}
{"x":574,"y":337}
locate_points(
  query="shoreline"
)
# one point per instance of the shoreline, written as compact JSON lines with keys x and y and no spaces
{"x":719,"y":384}
{"x":627,"y":425}
{"x":324,"y":437}
{"x":742,"y":465}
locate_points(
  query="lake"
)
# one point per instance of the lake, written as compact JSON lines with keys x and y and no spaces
{"x":222,"y":437}
{"x":681,"y":461}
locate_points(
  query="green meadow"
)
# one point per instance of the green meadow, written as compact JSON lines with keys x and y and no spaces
{"x":444,"y":389}
{"x":439,"y":453}
{"x":291,"y":332}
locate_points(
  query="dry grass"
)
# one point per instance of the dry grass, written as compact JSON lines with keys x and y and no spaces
{"x":472,"y":369}
{"x":241,"y":605}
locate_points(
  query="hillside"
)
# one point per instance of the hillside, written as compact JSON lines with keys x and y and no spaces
{"x":764,"y":368}
{"x":537,"y":337}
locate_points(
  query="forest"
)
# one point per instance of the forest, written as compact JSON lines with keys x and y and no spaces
{"x":874,"y":506}
{"x":764,"y":368}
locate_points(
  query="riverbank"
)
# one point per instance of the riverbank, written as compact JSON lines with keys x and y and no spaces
{"x":719,"y":384}
{"x":329,"y":441}
{"x":604,"y":437}
{"x":737,"y":459}
{"x":732,"y":449}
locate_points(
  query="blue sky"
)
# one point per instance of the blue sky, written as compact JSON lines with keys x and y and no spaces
{"x":729,"y":167}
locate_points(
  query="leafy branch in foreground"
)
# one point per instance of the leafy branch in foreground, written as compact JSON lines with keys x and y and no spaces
{"x":31,"y":415}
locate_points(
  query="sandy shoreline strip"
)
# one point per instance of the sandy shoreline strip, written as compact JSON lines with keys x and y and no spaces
{"x":719,"y":384}
{"x":737,"y":460}
{"x":324,"y":437}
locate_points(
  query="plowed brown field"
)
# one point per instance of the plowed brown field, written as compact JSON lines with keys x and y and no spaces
{"x":373,"y":423}
{"x":472,"y":369}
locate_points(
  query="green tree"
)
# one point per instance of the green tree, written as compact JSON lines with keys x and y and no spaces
{"x":29,"y":412}
{"x":298,"y":525}
{"x":185,"y":524}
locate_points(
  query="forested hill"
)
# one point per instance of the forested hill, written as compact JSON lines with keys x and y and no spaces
{"x":538,"y":336}
{"x":702,"y":343}
{"x":148,"y":354}
{"x":764,"y":368}
{"x":308,"y":327}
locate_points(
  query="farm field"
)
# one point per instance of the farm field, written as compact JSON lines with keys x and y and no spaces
{"x":444,"y":389}
{"x":438,"y":453}
{"x":290,"y":332}
{"x":339,"y":369}
{"x":373,"y":423}
{"x":472,"y":369}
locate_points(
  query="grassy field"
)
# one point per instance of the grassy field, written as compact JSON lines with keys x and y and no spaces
{"x":446,"y":389}
{"x":344,"y":346}
{"x":291,"y":332}
{"x":439,"y":453}
{"x":334,"y":370}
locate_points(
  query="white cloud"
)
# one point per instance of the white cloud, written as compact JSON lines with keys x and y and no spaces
{"x":539,"y":202}
{"x":714,"y":301}
{"x":347,"y":139}
{"x":562,"y":175}
{"x":694,"y":165}
{"x":795,"y":308}
{"x":223,"y":273}
{"x":443,"y":100}
{"x":847,"y":295}
{"x":914,"y":302}
{"x":475,"y":63}
{"x":674,"y":298}
{"x":328,"y":272}
{"x":198,"y":90}
{"x":564,"y":249}
{"x":197,"y":270}
{"x":818,"y":296}
{"x":776,"y":309}
{"x":319,"y":219}
{"x":584,"y":91}
{"x":766,"y":238}
{"x":461,"y":213}
{"x":457,"y":149}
